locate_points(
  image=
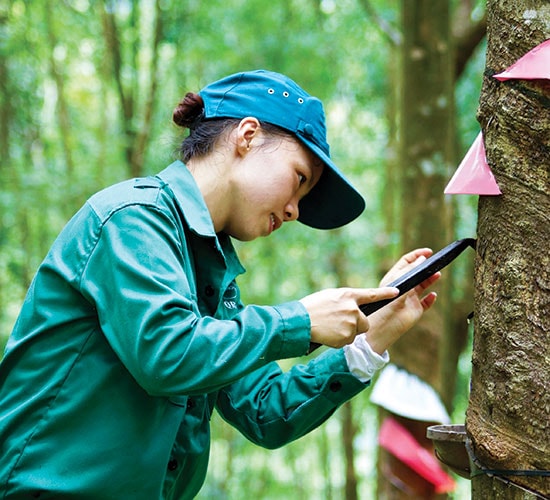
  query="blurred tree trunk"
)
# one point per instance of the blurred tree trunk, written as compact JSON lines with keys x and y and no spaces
{"x":391,"y":194}
{"x":349,"y":428}
{"x":349,"y":431}
{"x":426,"y":155}
{"x":6,"y":109}
{"x":426,"y":138}
{"x":6,"y":113}
{"x":324,"y":453}
{"x":292,"y":459}
{"x":136,"y":114}
{"x":62,"y":108}
{"x":509,"y":410}
{"x":467,"y":34}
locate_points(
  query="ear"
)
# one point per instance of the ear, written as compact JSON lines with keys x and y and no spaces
{"x":248,"y":129}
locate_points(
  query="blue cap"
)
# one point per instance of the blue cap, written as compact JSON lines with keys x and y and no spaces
{"x":276,"y":99}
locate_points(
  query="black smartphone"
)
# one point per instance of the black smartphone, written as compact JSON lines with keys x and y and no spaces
{"x":417,"y":275}
{"x":422,"y":272}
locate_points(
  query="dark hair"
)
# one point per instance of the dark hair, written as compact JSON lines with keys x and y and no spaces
{"x":204,"y":133}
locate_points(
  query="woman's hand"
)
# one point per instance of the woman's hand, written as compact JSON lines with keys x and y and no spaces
{"x":335,"y":315}
{"x":388,"y":324}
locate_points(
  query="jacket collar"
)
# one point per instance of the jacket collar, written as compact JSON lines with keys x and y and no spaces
{"x":187,"y":193}
{"x":193,"y":208}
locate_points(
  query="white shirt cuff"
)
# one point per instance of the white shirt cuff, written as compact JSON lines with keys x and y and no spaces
{"x":362,"y":361}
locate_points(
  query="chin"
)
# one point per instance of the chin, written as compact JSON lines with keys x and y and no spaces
{"x":243,"y":237}
{"x":247,"y":232}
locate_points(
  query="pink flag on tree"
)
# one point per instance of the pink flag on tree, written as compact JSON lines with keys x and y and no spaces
{"x":473,"y":175}
{"x":532,"y":66}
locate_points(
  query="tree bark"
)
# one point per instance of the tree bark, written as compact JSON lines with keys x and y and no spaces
{"x":509,"y":409}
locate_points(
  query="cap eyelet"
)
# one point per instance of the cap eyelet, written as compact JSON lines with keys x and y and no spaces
{"x":285,"y":94}
{"x":270,"y":91}
{"x":300,"y":100}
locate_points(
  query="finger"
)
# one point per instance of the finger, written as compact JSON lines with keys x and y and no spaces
{"x":429,"y":300}
{"x":367,"y":295}
{"x":428,"y":282}
{"x":362,"y":324}
{"x":372,"y":295}
{"x":411,"y":256}
{"x":410,"y":260}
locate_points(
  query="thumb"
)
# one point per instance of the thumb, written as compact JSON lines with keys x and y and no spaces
{"x":370,"y":295}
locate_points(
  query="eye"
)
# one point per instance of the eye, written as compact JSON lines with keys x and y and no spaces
{"x":302,"y":179}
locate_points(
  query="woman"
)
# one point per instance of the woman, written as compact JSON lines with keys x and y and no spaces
{"x":133,"y":331}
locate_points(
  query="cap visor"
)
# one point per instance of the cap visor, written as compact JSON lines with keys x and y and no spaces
{"x":333,"y":202}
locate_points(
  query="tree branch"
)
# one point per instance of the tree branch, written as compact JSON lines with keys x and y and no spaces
{"x":467,"y":36}
{"x":144,"y":132}
{"x":393,"y":35}
{"x":113,"y":45}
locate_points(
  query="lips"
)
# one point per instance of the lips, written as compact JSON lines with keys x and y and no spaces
{"x":276,"y":223}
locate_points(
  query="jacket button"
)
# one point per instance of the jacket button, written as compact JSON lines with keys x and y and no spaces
{"x":173,"y":464}
{"x":209,"y":291}
{"x":335,"y":386}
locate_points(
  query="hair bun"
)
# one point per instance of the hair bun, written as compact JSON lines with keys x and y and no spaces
{"x":189,"y":111}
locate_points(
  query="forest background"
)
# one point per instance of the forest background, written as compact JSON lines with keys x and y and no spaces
{"x":87,"y":91}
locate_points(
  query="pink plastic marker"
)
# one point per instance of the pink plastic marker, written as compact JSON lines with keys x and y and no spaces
{"x":532,"y":66}
{"x":473,"y":175}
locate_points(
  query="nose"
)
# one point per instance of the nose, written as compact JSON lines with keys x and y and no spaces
{"x":292,"y":211}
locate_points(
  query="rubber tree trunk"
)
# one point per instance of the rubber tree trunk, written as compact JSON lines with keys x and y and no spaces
{"x":508,"y":416}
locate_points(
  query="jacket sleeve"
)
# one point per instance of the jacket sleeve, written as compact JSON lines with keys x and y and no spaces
{"x":272,"y":407}
{"x":138,"y":278}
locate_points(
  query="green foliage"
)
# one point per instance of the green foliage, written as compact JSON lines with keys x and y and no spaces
{"x":63,"y":139}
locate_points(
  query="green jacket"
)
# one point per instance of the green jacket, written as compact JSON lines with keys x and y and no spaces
{"x":132,"y":332}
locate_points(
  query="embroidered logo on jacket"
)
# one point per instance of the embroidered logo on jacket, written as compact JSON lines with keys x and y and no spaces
{"x":230,"y":297}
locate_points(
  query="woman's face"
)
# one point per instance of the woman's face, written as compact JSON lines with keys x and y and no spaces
{"x":269,"y":182}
